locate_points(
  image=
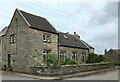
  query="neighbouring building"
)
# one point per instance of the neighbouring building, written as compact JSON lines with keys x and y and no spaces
{"x":29,"y":38}
{"x":2,"y":33}
{"x":113,"y":54}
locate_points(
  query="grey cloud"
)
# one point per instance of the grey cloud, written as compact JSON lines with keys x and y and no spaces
{"x":105,"y":40}
{"x":109,"y":13}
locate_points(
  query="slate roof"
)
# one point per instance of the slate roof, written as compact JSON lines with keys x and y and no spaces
{"x":88,"y":45}
{"x":3,"y":32}
{"x":115,"y":50}
{"x":38,"y":22}
{"x":70,"y":40}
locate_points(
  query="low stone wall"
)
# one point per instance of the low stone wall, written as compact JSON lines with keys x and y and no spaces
{"x":68,"y":69}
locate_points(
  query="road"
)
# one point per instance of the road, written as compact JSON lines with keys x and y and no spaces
{"x":14,"y":76}
{"x":109,"y":75}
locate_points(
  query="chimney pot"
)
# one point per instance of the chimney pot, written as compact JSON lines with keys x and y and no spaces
{"x":74,"y":33}
{"x":105,"y":51}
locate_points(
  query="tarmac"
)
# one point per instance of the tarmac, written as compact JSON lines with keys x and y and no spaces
{"x":62,"y":77}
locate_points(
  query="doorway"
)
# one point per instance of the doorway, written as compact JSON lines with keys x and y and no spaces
{"x":9,"y":60}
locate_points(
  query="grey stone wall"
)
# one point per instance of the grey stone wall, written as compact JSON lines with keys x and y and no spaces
{"x":20,"y":59}
{"x":37,"y":45}
{"x":69,"y":51}
{"x":68,"y":69}
{"x":27,"y":51}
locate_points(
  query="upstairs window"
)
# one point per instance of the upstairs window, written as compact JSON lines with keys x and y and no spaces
{"x":46,"y":37}
{"x":13,"y":38}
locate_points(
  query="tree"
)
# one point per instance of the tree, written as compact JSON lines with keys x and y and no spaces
{"x":100,"y":58}
{"x":106,"y":59}
{"x":92,"y":58}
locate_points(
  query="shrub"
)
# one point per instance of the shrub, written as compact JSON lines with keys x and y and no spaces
{"x":116,"y":63}
{"x":92,"y":58}
{"x":70,"y":62}
{"x":106,"y":59}
{"x":100,"y":58}
{"x":52,"y":60}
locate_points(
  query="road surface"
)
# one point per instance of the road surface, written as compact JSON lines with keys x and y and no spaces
{"x":109,"y":75}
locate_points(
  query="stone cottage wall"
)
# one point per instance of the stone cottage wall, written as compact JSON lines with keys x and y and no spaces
{"x":19,"y":51}
{"x":27,"y":51}
{"x":69,"y":51}
{"x":68,"y":69}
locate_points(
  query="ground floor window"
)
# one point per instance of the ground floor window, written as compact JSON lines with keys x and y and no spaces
{"x":83,"y":56}
{"x":74,"y":55}
{"x":45,"y":52}
{"x":62,"y":55}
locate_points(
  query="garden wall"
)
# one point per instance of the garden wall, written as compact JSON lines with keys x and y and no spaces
{"x":68,"y":69}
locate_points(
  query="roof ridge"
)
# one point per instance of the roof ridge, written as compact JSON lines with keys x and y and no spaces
{"x":31,"y":14}
{"x":37,"y":22}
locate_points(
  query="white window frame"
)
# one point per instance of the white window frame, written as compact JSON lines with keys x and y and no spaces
{"x":48,"y":36}
{"x":13,"y":38}
{"x":45,"y":52}
{"x":62,"y":55}
{"x":74,"y":55}
{"x":44,"y":37}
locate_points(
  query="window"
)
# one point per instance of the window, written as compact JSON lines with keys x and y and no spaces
{"x":45,"y":52}
{"x":62,"y":55}
{"x":83,"y":56}
{"x":46,"y":37}
{"x":13,"y":38}
{"x":74,"y":55}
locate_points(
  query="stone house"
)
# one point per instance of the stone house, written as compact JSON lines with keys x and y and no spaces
{"x":70,"y":46}
{"x":29,"y":38}
{"x":2,"y":33}
{"x":113,"y":54}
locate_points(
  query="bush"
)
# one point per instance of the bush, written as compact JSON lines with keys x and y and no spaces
{"x":116,"y":63}
{"x":106,"y":59}
{"x":100,"y":58}
{"x":52,"y":60}
{"x":92,"y":58}
{"x":70,"y":62}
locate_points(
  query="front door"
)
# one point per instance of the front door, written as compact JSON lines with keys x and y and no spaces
{"x":9,"y":60}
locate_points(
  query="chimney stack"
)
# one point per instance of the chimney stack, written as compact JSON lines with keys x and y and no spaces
{"x":67,"y":32}
{"x":105,"y":51}
{"x":76,"y":35}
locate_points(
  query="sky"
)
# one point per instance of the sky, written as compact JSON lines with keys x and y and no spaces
{"x":95,"y":21}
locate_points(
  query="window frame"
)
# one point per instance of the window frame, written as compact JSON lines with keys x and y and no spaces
{"x":74,"y":55}
{"x":62,"y":55}
{"x":45,"y":52}
{"x":48,"y":37}
{"x":12,"y":38}
{"x":44,"y":37}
